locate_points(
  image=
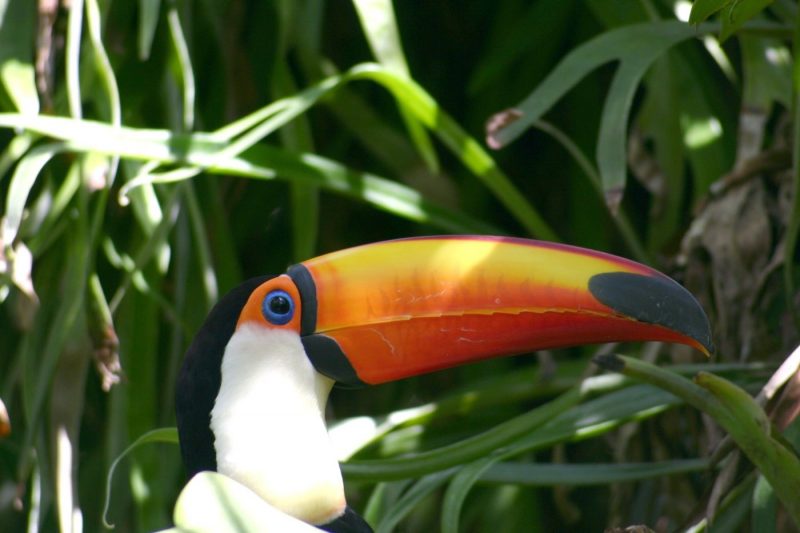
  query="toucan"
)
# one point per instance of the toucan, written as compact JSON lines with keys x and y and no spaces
{"x":252,"y":391}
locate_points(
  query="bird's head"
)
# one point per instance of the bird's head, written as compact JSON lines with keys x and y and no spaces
{"x":252,"y":391}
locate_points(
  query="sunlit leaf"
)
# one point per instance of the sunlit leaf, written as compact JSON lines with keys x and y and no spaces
{"x":22,"y":182}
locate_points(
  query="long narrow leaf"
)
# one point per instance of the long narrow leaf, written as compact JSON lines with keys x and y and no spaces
{"x":260,"y":162}
{"x":148,"y":20}
{"x":166,"y":435}
{"x":458,"y":489}
{"x":379,"y":25}
{"x":737,"y":12}
{"x":560,"y":420}
{"x":21,"y":184}
{"x":702,"y":9}
{"x":734,"y":410}
{"x":635,"y":47}
{"x":106,"y":73}
{"x":17,"y":32}
{"x":466,"y":450}
{"x":536,"y":474}
{"x":419,"y":491}
{"x":72,"y":58}
{"x":209,"y":151}
{"x":612,"y":139}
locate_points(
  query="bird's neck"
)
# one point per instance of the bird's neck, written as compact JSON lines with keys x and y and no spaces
{"x":269,"y":425}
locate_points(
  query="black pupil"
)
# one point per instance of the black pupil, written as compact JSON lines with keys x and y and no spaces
{"x":279,"y":305}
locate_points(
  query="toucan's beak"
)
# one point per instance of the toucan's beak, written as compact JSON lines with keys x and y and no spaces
{"x":395,"y":309}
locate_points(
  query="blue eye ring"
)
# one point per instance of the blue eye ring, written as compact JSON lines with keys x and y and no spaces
{"x":278,"y":307}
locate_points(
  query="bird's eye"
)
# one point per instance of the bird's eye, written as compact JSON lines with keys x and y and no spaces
{"x":278,"y":307}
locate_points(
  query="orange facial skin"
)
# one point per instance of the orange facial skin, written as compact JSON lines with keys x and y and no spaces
{"x":252,"y":311}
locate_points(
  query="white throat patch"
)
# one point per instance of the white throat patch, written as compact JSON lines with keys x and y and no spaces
{"x":269,"y":425}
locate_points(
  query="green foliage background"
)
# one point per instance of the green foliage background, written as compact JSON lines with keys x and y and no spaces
{"x":156,"y":153}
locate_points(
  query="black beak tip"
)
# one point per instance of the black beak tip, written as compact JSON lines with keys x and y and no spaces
{"x":654,"y":300}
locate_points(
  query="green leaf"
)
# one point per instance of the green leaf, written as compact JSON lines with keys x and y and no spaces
{"x":559,"y":420}
{"x":574,"y":423}
{"x":211,"y":150}
{"x":612,"y":140}
{"x":458,"y":489}
{"x":733,"y":409}
{"x":155,"y":242}
{"x":584,"y":421}
{"x":265,"y":162}
{"x":42,"y":354}
{"x":185,"y":69}
{"x":734,"y":509}
{"x":736,"y":400}
{"x":640,"y":43}
{"x":384,"y":194}
{"x":464,"y":147}
{"x":17,"y":35}
{"x":420,"y":490}
{"x":765,"y":506}
{"x":380,"y":27}
{"x":203,"y":261}
{"x":767,"y":75}
{"x":148,"y":20}
{"x":105,"y":73}
{"x":14,"y":151}
{"x":21,"y":184}
{"x":751,"y":429}
{"x":597,"y":417}
{"x":537,"y":475}
{"x":102,"y":63}
{"x":737,"y":13}
{"x":463,"y":451}
{"x":384,"y":499}
{"x":72,"y":58}
{"x":163,"y":435}
{"x":702,"y":9}
{"x":636,"y":47}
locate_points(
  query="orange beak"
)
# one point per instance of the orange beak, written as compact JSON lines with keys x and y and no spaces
{"x":390,"y":310}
